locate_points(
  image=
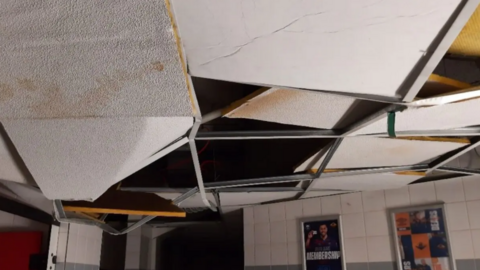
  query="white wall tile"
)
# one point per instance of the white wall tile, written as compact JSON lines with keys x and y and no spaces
{"x":21,"y":222}
{"x":72,"y":247}
{"x":294,"y":253}
{"x":249,"y":234}
{"x":379,"y":249}
{"x":353,"y":225}
{"x":422,"y":193}
{"x":90,"y":251}
{"x":262,"y":255}
{"x":73,"y":228}
{"x":278,"y":232}
{"x":356,"y":250}
{"x":81,"y":250}
{"x":373,"y":200}
{"x":6,"y":220}
{"x":473,"y":209}
{"x":376,"y":223}
{"x":312,"y":207}
{"x":248,"y":215}
{"x":62,"y":247}
{"x":471,"y":187}
{"x":294,"y":210}
{"x":262,"y":234}
{"x":98,"y":251}
{"x":457,"y":216}
{"x":462,"y":244}
{"x":450,"y":190}
{"x":249,"y":256}
{"x":476,"y":243}
{"x":133,"y":243}
{"x":351,"y":203}
{"x":331,"y":205}
{"x":293,"y":231}
{"x":397,"y":197}
{"x":64,"y":227}
{"x":260,"y":214}
{"x":279,"y":254}
{"x":132,"y":260}
{"x":277,"y":212}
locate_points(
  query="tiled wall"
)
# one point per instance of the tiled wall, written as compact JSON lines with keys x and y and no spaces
{"x":79,"y":247}
{"x":272,"y":238}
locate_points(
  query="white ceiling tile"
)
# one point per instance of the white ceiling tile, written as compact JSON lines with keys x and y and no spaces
{"x":238,"y":43}
{"x":356,"y":152}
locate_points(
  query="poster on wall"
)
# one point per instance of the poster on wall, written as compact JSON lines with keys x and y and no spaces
{"x":421,"y":236}
{"x":322,"y":244}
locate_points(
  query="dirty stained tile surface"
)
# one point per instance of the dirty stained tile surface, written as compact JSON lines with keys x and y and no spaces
{"x":67,"y":59}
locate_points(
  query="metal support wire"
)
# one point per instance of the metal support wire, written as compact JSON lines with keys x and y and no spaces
{"x":323,"y":165}
{"x":444,"y":159}
{"x":458,"y":170}
{"x":196,"y":164}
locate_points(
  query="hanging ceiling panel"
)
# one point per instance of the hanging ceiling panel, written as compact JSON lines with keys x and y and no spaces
{"x":361,"y":47}
{"x":79,"y":159}
{"x":302,"y":108}
{"x":358,"y":152}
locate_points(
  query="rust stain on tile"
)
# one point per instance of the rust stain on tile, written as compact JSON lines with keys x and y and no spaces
{"x":27,"y":84}
{"x":6,"y":92}
{"x":157,"y":66}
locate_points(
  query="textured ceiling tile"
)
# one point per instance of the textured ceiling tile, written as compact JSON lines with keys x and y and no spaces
{"x":356,"y":46}
{"x":303,"y":108}
{"x":89,"y":58}
{"x":358,"y":152}
{"x":78,"y":159}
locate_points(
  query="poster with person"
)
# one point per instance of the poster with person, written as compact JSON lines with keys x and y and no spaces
{"x":322,"y":244}
{"x":422,"y":241}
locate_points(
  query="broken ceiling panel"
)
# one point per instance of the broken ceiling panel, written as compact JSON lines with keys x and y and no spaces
{"x":312,"y":194}
{"x":354,"y":46}
{"x":249,"y":198}
{"x":94,"y":58}
{"x":192,"y":202}
{"x":359,"y":152}
{"x":368,"y":181}
{"x":446,"y":116}
{"x":79,"y":159}
{"x":302,"y":108}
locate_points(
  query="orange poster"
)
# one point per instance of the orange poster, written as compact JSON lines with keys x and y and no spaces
{"x":421,"y":246}
{"x":402,"y":220}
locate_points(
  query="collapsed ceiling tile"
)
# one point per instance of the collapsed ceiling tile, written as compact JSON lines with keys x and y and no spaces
{"x":192,"y":202}
{"x":359,"y":152}
{"x":446,"y":116}
{"x":302,"y":108}
{"x":79,"y":159}
{"x":368,"y":181}
{"x":249,"y":198}
{"x":361,"y":47}
{"x":109,"y":58}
